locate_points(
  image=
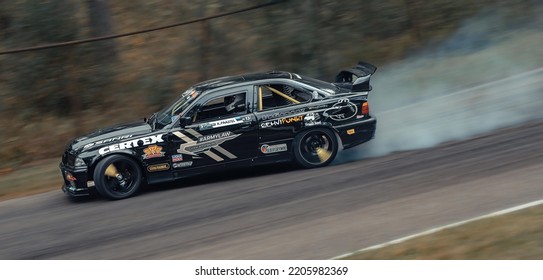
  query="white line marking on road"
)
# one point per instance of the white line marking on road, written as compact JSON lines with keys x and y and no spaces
{"x":437,"y":229}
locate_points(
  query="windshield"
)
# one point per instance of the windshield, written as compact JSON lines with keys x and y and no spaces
{"x":171,"y":113}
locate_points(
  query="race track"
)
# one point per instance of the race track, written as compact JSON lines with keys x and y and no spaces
{"x":284,"y":213}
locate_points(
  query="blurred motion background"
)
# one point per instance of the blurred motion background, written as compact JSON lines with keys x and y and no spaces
{"x":430,"y":53}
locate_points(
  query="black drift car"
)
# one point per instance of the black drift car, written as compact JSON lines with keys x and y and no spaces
{"x":231,"y":121}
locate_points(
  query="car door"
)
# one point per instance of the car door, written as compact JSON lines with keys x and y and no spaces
{"x":223,"y":131}
{"x":280,"y":109}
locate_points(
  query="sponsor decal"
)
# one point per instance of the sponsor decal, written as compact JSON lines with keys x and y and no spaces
{"x":244,"y":118}
{"x":315,"y":107}
{"x":205,"y":143}
{"x":293,"y":119}
{"x":205,"y":126}
{"x":177,"y":158}
{"x":282,"y":114}
{"x":274,"y":123}
{"x":182,"y":164}
{"x":148,"y":140}
{"x":312,"y":119}
{"x":350,"y":131}
{"x":269,"y":149}
{"x":342,"y":110}
{"x":152,"y":151}
{"x":225,"y":122}
{"x":282,"y":121}
{"x":215,"y":136}
{"x":158,"y":167}
{"x":107,"y":141}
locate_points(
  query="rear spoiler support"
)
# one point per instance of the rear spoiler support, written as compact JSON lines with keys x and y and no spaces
{"x":356,"y":79}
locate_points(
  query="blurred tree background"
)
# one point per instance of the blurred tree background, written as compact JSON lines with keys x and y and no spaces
{"x":49,"y":96}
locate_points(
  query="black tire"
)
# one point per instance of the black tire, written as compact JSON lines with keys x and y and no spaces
{"x":113,"y":188}
{"x":307,"y":144}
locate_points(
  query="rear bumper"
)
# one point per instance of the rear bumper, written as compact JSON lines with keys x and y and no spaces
{"x":78,"y":187}
{"x":356,"y":133}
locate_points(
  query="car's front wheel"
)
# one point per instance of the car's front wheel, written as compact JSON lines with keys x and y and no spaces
{"x":117,"y":177}
{"x":315,"y":148}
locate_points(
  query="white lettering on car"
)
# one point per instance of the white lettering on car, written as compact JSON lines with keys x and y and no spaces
{"x":271,"y":123}
{"x":342,"y":110}
{"x":225,"y":122}
{"x":114,"y":147}
{"x":125,"y":145}
{"x":156,"y":138}
{"x":205,"y":143}
{"x":282,"y":114}
{"x":106,"y":141}
{"x":131,"y":144}
{"x":269,"y":149}
{"x":104,"y":150}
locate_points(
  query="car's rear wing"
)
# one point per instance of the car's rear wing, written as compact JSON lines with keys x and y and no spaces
{"x":356,"y":79}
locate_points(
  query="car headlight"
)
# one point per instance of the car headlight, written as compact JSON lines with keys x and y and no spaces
{"x":79,"y":162}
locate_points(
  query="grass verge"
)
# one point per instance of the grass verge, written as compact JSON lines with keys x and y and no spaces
{"x":513,"y":236}
{"x":38,"y":177}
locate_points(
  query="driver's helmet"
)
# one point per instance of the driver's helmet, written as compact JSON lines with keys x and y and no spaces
{"x":234,"y":102}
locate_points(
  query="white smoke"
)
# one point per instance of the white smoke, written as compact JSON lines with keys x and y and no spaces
{"x":480,"y":79}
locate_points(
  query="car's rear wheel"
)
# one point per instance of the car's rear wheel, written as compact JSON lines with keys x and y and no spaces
{"x":315,"y":148}
{"x":117,"y":177}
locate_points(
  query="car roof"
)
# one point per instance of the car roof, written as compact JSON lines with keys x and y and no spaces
{"x":251,"y":77}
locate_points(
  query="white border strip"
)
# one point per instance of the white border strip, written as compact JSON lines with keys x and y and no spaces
{"x":434,"y":230}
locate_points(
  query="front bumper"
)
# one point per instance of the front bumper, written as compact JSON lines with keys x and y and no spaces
{"x":79,"y":187}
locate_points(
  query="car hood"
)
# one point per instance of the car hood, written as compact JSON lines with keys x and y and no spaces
{"x":108,"y":136}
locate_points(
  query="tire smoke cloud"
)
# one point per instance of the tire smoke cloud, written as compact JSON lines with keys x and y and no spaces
{"x":487,"y":75}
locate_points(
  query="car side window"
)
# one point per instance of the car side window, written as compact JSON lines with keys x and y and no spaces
{"x":279,"y":95}
{"x":222,"y":107}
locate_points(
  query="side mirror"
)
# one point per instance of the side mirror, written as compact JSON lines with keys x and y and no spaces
{"x":184,"y":121}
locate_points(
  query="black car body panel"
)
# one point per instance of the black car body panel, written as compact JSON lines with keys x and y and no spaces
{"x":231,"y":121}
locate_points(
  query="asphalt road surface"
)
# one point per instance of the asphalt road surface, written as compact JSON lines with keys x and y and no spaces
{"x":282,"y":213}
